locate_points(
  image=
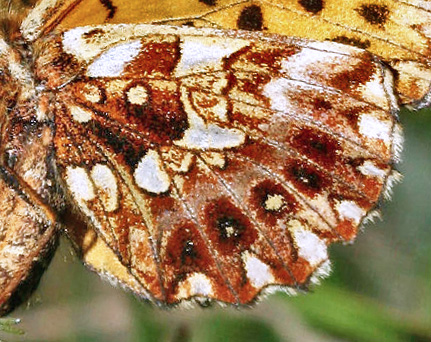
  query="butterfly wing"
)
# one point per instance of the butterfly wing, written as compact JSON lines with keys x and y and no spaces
{"x":396,"y":31}
{"x":216,"y":164}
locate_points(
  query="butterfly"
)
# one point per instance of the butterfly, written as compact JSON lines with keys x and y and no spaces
{"x":187,"y":163}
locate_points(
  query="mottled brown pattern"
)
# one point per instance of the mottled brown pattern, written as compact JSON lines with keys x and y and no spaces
{"x":349,"y":80}
{"x":156,"y":59}
{"x":307,"y":180}
{"x":202,"y":185}
{"x":186,"y":253}
{"x":317,"y":146}
{"x":254,"y":58}
{"x":259,"y":196}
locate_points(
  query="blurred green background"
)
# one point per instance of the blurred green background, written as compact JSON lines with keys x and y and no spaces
{"x":380,"y":288}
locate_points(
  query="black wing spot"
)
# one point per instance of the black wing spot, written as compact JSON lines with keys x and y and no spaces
{"x":251,"y":18}
{"x":374,"y":14}
{"x":209,"y":2}
{"x":110,"y":7}
{"x":312,"y":6}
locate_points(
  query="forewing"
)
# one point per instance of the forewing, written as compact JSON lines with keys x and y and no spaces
{"x":216,"y":164}
{"x":397,"y":31}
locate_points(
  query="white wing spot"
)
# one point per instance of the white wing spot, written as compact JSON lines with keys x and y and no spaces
{"x":80,"y":114}
{"x":298,"y":65}
{"x":197,"y":284}
{"x":106,"y":185}
{"x":200,"y":285}
{"x":372,"y":127}
{"x":274,"y":202}
{"x":92,"y":93}
{"x":211,"y":137}
{"x":368,"y":168}
{"x":258,"y":272}
{"x":277,"y":91}
{"x":79,"y":184}
{"x":215,"y":159}
{"x":350,"y":210}
{"x":310,"y":246}
{"x":149,"y":174}
{"x":206,"y":136}
{"x":203,"y":54}
{"x":137,"y":95}
{"x":116,"y":87}
{"x":111,"y":63}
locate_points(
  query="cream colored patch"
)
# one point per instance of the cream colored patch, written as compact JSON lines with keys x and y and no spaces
{"x":220,"y":83}
{"x":230,"y":231}
{"x":279,"y":92}
{"x":310,"y":246}
{"x":331,"y":47}
{"x":211,"y":137}
{"x":137,"y":95}
{"x":179,"y":182}
{"x":111,"y":63}
{"x":274,"y":202}
{"x":116,"y":87}
{"x":220,"y":110}
{"x":258,"y":272}
{"x":106,"y":185}
{"x":389,"y":85}
{"x":206,"y":53}
{"x":214,"y":159}
{"x":80,"y":114}
{"x":374,"y":128}
{"x":183,"y":164}
{"x":79,"y":184}
{"x":204,"y":136}
{"x":368,"y":168}
{"x":106,"y":263}
{"x":200,"y":284}
{"x":149,"y":174}
{"x":196,"y":284}
{"x":375,"y":92}
{"x":350,"y":210}
{"x":299,"y":65}
{"x":92,"y":93}
{"x":32,"y":24}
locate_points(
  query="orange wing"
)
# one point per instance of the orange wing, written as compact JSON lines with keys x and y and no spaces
{"x":396,"y":31}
